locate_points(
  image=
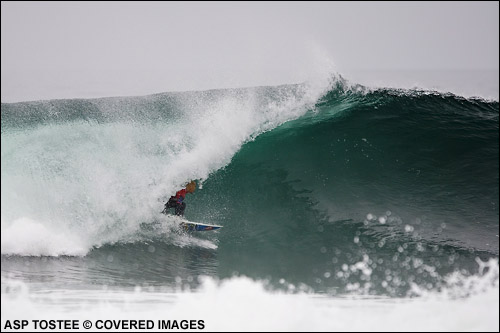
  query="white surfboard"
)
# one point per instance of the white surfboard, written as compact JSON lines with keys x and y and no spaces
{"x":194,"y":226}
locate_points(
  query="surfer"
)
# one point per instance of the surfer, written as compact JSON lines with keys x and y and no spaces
{"x":177,"y":201}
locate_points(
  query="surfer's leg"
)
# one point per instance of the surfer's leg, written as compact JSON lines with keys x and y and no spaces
{"x":172,"y":202}
{"x":179,"y":209}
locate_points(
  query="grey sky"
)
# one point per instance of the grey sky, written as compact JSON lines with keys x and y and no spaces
{"x":54,"y":49}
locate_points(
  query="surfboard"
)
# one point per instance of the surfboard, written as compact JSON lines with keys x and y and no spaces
{"x":190,"y":226}
{"x":194,"y":226}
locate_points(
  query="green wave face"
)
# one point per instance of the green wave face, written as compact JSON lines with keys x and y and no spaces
{"x":381,"y":180}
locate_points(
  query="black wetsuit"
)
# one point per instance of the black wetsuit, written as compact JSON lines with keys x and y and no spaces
{"x":176,"y":202}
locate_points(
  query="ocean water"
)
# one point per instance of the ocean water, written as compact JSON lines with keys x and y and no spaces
{"x":345,"y":207}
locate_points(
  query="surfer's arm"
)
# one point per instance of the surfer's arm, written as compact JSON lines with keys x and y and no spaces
{"x":180,"y":195}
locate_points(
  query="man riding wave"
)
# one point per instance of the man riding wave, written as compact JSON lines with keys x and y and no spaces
{"x":177,"y":201}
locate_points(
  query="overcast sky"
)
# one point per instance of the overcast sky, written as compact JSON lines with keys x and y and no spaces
{"x":65,"y":49}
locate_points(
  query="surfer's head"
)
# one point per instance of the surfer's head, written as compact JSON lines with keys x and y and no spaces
{"x":191,"y":187}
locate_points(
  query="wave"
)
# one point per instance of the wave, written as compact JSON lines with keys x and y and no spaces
{"x":308,"y":181}
{"x":97,"y":168}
